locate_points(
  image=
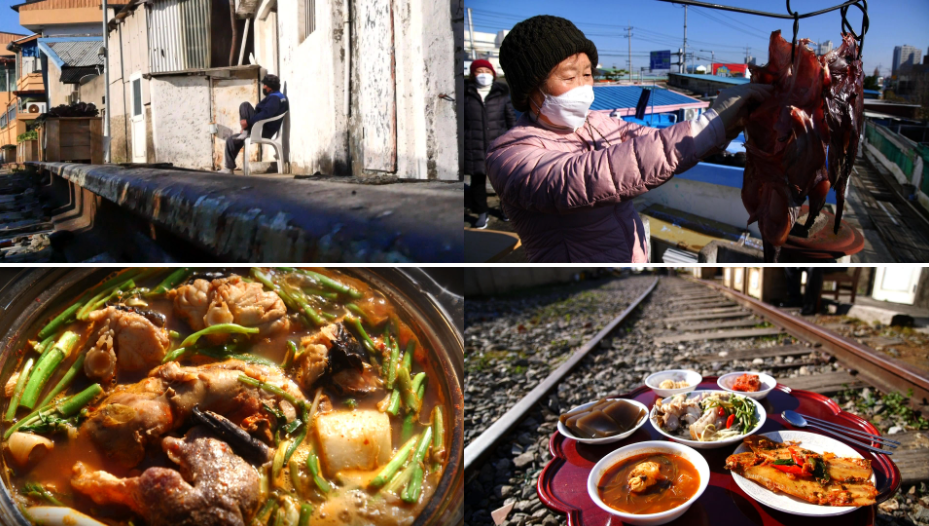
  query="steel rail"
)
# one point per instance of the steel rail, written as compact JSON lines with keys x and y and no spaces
{"x":877,"y":369}
{"x":481,"y":446}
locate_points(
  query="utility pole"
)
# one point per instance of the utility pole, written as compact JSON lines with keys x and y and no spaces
{"x":106,"y":83}
{"x":471,"y":33}
{"x":629,"y":36}
{"x":684,"y":56}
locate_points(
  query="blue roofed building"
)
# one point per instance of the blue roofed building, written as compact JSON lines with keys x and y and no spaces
{"x":705,"y":85}
{"x":73,"y":65}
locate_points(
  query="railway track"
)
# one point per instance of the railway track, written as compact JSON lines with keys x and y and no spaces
{"x":675,"y":323}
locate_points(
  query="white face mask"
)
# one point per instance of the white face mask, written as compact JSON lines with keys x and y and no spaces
{"x":485,"y":79}
{"x":570,"y":109}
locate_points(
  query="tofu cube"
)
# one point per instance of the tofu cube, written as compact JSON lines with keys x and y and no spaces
{"x":353,"y":440}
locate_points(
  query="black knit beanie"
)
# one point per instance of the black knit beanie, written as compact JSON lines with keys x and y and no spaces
{"x":534,"y":47}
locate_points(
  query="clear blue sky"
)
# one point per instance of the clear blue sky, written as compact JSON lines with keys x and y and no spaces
{"x":9,"y":19}
{"x":659,"y":26}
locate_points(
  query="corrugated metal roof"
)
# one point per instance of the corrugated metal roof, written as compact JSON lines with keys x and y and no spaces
{"x":714,"y":78}
{"x":615,"y":97}
{"x":78,"y":54}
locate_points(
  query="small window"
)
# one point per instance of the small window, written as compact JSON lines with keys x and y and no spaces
{"x":307,"y":18}
{"x":136,"y":97}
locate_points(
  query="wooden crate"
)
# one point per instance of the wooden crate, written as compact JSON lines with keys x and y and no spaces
{"x":74,"y":139}
{"x":27,"y":151}
{"x":767,"y":284}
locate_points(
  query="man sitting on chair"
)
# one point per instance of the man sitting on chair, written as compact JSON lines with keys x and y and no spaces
{"x":273,"y":104}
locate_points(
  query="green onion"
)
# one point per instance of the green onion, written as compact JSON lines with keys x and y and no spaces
{"x":395,"y":464}
{"x":407,"y":429}
{"x":291,"y":354}
{"x":392,"y":363}
{"x":273,"y":389}
{"x":312,"y":462}
{"x":220,"y":328}
{"x":64,"y":318}
{"x":414,"y":488}
{"x":438,"y":438}
{"x":278,"y":462}
{"x":406,"y":389}
{"x":18,"y":391}
{"x":365,"y":339}
{"x":43,"y":345}
{"x":393,"y":407}
{"x":784,"y":462}
{"x":67,"y":407}
{"x":66,"y":380}
{"x":48,"y":362}
{"x":34,"y":489}
{"x":327,"y":282}
{"x":306,"y":511}
{"x":268,"y":506}
{"x":169,"y":282}
{"x":408,"y":356}
{"x":420,"y":453}
{"x":299,"y":440}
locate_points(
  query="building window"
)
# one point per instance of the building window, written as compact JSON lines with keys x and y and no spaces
{"x":2,"y":121}
{"x":136,"y":97}
{"x":307,"y":18}
{"x":12,"y":113}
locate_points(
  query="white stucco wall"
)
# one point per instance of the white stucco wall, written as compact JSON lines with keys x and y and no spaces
{"x":181,"y":121}
{"x":316,"y":77}
{"x":74,"y":29}
{"x":313,"y":79}
{"x":57,"y":92}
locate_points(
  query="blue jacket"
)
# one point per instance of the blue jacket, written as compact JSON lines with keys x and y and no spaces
{"x":271,"y":106}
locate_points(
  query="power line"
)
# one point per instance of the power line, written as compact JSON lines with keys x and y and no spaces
{"x":718,"y":21}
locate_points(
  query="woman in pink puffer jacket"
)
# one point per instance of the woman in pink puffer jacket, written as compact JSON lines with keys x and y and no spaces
{"x":565,"y":175}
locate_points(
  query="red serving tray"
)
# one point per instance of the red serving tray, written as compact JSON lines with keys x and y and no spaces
{"x":562,"y":484}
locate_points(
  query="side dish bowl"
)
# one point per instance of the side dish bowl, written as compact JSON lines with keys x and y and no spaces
{"x":605,"y":440}
{"x":656,"y":446}
{"x":692,"y":378}
{"x":767,"y":381}
{"x":760,"y":415}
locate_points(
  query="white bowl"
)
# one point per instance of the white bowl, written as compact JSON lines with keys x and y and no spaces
{"x":759,"y":412}
{"x":767,"y":384}
{"x":692,"y":378}
{"x":563,"y":429}
{"x":658,"y":446}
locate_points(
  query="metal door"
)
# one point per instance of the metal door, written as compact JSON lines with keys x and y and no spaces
{"x":138,"y":120}
{"x":896,"y":284}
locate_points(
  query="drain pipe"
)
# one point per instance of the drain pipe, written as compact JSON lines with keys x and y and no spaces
{"x":235,"y":34}
{"x":122,"y":81}
{"x":106,"y":79}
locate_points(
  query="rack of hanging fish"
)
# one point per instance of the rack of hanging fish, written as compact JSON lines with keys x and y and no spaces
{"x":802,"y":141}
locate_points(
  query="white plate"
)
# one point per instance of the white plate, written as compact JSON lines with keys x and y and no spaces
{"x":759,"y":412}
{"x":784,"y":502}
{"x":693,"y":379}
{"x":767,"y":384}
{"x":563,"y":429}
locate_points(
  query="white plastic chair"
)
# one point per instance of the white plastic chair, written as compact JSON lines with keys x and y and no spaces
{"x":275,"y":142}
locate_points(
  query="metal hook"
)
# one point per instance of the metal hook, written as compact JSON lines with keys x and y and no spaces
{"x":793,"y":43}
{"x":865,"y":23}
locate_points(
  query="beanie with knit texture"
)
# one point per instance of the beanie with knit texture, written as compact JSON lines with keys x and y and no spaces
{"x":534,"y":47}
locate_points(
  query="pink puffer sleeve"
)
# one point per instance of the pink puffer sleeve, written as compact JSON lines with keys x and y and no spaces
{"x":529,"y":175}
